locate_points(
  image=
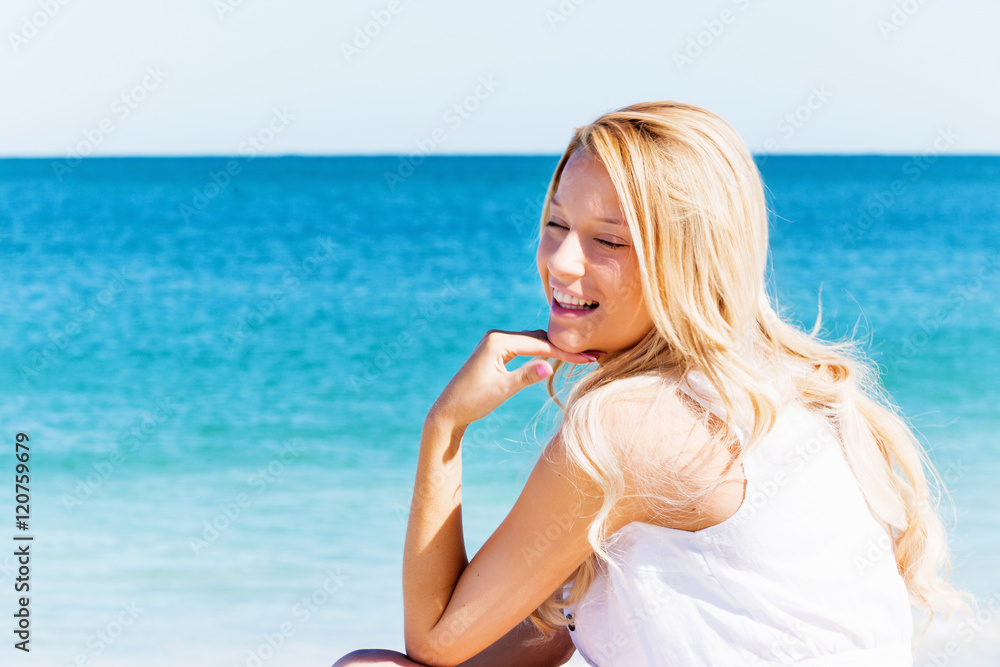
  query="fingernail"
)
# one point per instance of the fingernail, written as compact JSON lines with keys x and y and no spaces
{"x":589,"y":356}
{"x":543,"y":370}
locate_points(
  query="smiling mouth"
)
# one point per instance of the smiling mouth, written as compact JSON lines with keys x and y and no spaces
{"x":567,"y":306}
{"x":570,"y":311}
{"x":570,"y":302}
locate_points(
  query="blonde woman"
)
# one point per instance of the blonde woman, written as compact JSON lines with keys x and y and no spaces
{"x":723,"y":489}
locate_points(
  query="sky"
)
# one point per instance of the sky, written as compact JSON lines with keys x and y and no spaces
{"x":305,"y":77}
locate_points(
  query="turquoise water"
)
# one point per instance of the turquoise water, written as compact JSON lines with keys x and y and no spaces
{"x":224,"y":386}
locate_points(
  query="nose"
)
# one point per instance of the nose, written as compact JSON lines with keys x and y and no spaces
{"x":567,"y":260}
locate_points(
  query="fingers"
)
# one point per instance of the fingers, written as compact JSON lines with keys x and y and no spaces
{"x":548,"y":349}
{"x":532,"y":373}
{"x":532,"y":343}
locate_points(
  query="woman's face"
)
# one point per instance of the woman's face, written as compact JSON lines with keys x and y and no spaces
{"x":586,"y":251}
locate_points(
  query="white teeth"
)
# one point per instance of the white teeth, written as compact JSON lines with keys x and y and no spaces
{"x":567,"y":300}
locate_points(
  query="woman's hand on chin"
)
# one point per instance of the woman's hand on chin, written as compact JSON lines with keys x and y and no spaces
{"x":484,"y":383}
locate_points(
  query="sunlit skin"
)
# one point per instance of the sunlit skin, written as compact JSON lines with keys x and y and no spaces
{"x":586,"y":250}
{"x":451,"y":614}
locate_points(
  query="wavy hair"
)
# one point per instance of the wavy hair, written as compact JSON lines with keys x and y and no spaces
{"x":694,"y":201}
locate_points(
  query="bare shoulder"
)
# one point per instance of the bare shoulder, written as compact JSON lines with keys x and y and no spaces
{"x":667,"y":445}
{"x":653,"y":418}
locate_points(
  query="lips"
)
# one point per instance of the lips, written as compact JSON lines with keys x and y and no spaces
{"x":570,"y":312}
{"x":569,"y":298}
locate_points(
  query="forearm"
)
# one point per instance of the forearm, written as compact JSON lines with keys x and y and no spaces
{"x":434,"y":555}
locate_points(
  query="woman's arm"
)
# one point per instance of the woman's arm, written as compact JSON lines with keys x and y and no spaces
{"x":510,"y":651}
{"x":456,"y":610}
{"x":434,"y":555}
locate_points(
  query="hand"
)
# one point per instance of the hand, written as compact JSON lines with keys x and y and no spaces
{"x":484,"y":383}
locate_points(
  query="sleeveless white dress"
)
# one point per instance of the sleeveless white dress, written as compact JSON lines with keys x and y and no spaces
{"x":802,"y":574}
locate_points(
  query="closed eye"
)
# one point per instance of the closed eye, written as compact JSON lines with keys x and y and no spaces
{"x":552,"y":223}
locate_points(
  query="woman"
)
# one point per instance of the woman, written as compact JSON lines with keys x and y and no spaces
{"x":723,"y":488}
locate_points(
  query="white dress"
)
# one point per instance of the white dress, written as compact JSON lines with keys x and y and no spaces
{"x":802,"y":574}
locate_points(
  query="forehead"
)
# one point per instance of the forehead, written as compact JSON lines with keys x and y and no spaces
{"x":585,"y":185}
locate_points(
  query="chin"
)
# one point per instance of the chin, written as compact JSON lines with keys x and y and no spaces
{"x":567,"y":340}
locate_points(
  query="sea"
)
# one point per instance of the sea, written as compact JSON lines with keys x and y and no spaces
{"x":220,"y":367}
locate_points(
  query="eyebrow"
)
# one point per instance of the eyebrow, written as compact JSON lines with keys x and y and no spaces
{"x":610,"y":221}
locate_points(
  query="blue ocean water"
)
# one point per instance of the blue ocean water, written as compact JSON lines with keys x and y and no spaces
{"x":224,"y":365}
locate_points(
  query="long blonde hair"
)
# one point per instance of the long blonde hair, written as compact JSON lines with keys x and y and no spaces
{"x":694,"y":202}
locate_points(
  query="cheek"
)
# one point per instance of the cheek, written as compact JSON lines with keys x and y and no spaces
{"x":542,"y":256}
{"x":630,"y":274}
{"x":631,"y":288}
{"x":634,"y":289}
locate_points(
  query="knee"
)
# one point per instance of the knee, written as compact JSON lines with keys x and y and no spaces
{"x":375,"y":658}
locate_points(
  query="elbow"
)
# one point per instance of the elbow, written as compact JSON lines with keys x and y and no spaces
{"x":429,"y":653}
